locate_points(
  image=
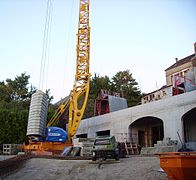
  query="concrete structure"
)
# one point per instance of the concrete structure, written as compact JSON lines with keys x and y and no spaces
{"x":162,"y":93}
{"x":117,"y":103}
{"x":10,"y":149}
{"x":148,"y":123}
{"x":155,"y":123}
{"x":108,"y":101}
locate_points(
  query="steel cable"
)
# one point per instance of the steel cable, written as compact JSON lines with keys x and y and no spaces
{"x":46,"y":41}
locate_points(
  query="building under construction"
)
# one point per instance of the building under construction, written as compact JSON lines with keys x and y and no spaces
{"x":166,"y":117}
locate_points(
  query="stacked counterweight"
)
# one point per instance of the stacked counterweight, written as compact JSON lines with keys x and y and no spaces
{"x":37,"y":114}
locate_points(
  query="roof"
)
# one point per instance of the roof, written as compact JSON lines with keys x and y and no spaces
{"x":182,"y":61}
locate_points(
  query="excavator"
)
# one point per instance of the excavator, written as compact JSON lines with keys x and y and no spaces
{"x":77,"y":100}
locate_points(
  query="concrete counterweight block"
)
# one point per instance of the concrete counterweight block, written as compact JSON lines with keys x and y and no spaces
{"x":37,"y":114}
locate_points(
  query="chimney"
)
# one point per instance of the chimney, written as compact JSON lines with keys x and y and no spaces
{"x":176,"y":59}
{"x":195,"y":48}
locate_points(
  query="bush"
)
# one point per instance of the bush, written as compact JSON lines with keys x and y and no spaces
{"x":13,"y":126}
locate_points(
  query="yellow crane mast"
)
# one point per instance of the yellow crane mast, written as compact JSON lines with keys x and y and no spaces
{"x":82,"y":77}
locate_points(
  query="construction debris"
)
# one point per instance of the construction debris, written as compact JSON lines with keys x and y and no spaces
{"x":85,"y":144}
{"x":10,"y":149}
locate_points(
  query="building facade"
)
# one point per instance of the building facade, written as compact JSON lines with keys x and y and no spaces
{"x":148,"y":123}
{"x":180,"y":78}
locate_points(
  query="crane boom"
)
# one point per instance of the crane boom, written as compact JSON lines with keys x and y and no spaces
{"x":82,"y":77}
{"x":59,"y":111}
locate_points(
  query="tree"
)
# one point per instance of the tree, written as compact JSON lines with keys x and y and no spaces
{"x":13,"y":126}
{"x":96,"y":84}
{"x":50,"y":98}
{"x":4,"y":95}
{"x":17,"y":93}
{"x":18,"y":88}
{"x":15,"y":96}
{"x":99,"y":82}
{"x":124,"y":83}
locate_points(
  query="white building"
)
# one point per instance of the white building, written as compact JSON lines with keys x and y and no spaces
{"x":161,"y":115}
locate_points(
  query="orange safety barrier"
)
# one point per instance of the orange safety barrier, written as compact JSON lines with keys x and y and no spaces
{"x":179,"y":165}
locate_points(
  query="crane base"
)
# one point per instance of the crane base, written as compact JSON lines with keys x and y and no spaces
{"x":46,"y":148}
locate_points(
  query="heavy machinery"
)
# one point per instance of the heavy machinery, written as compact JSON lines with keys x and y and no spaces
{"x":77,"y":100}
{"x":105,"y":147}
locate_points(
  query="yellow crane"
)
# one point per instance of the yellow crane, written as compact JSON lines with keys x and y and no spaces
{"x":82,"y":77}
{"x":77,"y":100}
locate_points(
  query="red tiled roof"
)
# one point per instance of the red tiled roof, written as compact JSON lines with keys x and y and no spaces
{"x":180,"y":62}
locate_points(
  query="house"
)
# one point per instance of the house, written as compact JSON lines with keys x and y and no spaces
{"x":180,"y":78}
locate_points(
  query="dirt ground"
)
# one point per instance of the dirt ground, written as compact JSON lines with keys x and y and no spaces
{"x":4,"y":157}
{"x":136,"y":168}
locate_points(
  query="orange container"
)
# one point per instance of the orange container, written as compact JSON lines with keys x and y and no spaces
{"x":179,"y":165}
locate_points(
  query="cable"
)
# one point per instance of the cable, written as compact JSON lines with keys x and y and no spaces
{"x":67,"y":46}
{"x":46,"y":38}
{"x":49,"y":45}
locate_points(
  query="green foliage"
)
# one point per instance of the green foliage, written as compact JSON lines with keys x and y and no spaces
{"x":96,"y":84}
{"x":50,"y":98}
{"x":13,"y":126}
{"x":122,"y":82}
{"x":15,"y":96}
{"x":17,"y":88}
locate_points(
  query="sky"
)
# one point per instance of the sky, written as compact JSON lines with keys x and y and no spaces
{"x":143,"y":36}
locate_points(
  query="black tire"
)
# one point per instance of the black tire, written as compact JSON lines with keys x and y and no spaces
{"x":94,"y":158}
{"x":117,"y":155}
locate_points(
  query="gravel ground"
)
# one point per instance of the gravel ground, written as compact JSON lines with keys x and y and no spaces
{"x":136,"y":168}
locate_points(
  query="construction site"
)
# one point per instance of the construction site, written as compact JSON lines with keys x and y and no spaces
{"x":155,"y":139}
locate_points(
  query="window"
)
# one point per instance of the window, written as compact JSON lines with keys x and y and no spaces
{"x":81,"y":136}
{"x":103,"y":133}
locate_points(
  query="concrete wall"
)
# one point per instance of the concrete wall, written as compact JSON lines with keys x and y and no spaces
{"x":169,"y":110}
{"x":116,"y":103}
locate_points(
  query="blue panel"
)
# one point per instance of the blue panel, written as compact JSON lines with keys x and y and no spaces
{"x":55,"y":134}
